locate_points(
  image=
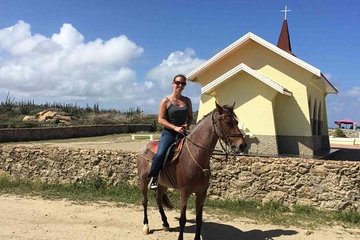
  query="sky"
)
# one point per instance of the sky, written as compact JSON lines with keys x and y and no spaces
{"x":123,"y":54}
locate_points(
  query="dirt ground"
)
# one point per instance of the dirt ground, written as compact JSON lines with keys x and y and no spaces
{"x":34,"y":218}
{"x":124,"y":142}
{"x":108,"y":142}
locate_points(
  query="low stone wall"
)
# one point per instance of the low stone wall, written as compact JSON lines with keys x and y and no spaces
{"x":32,"y":134}
{"x":323,"y":184}
{"x":320,"y":183}
{"x":68,"y":165}
{"x":349,"y":133}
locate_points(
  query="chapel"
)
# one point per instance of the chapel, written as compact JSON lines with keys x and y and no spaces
{"x":279,"y":98}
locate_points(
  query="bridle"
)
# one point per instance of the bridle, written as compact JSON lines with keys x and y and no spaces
{"x":221,"y":135}
{"x":225,"y":135}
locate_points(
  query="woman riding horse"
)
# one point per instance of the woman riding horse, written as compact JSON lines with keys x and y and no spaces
{"x":175,"y":116}
{"x":191,"y":172}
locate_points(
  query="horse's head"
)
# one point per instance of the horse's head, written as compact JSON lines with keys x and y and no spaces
{"x":226,"y":127}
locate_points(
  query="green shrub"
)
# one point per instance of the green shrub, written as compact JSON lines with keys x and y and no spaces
{"x":348,"y":216}
{"x":339,"y":133}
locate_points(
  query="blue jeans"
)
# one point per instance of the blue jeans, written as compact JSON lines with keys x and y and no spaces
{"x":167,"y":138}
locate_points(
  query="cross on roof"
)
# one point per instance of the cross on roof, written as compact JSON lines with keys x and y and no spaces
{"x":285,"y":11}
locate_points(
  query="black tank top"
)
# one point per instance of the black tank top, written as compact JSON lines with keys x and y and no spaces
{"x":177,"y":115}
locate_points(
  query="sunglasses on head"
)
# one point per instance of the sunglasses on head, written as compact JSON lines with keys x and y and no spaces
{"x":180,"y":83}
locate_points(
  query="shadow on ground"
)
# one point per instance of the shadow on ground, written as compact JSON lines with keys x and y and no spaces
{"x":343,"y":153}
{"x":215,"y":231}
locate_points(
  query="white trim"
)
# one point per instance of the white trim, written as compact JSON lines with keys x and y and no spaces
{"x":208,"y":88}
{"x":345,"y":141}
{"x":217,"y":56}
{"x":328,"y":86}
{"x":193,"y":74}
{"x":135,"y":136}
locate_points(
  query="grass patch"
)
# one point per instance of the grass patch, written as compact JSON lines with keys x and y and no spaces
{"x":95,"y":189}
{"x":277,"y":213}
{"x":90,"y":190}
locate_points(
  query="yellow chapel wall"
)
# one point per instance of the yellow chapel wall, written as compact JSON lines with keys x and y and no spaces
{"x":253,"y":103}
{"x":206,"y":105}
{"x":292,"y":113}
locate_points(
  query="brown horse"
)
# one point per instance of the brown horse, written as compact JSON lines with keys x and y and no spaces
{"x":191,"y":172}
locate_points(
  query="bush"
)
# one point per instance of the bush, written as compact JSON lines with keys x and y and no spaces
{"x":8,"y":105}
{"x":339,"y":133}
{"x":13,"y":112}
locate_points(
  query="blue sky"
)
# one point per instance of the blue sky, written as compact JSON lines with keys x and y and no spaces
{"x":123,"y":53}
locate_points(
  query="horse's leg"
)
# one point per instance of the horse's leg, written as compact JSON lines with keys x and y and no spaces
{"x":200,"y":199}
{"x":143,"y":186}
{"x":184,"y":196}
{"x":159,"y":195}
{"x":144,"y":181}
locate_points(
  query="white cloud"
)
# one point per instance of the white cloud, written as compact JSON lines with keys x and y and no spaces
{"x":354,"y":92}
{"x":177,"y":62}
{"x":65,"y":67}
{"x":68,"y":37}
{"x":161,"y":76}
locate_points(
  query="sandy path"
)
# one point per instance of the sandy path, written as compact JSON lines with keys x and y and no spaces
{"x":33,"y":218}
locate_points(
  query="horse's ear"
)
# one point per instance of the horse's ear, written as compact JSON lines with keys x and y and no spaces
{"x":233,"y":105}
{"x":219,"y":108}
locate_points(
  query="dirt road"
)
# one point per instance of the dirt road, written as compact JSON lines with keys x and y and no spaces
{"x":34,"y":218}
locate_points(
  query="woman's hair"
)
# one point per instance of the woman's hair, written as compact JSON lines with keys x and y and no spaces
{"x":180,"y":75}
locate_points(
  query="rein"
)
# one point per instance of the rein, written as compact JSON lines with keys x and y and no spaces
{"x":224,"y":133}
{"x":206,"y":171}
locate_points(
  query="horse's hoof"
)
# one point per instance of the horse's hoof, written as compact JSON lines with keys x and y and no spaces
{"x":146,"y":229}
{"x":166,"y":228}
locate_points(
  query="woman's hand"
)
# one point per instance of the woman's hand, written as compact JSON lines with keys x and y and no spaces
{"x":181,"y":129}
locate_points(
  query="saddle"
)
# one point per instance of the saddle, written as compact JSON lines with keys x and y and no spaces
{"x":172,"y":154}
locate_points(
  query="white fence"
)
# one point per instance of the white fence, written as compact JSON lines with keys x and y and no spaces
{"x":344,"y":141}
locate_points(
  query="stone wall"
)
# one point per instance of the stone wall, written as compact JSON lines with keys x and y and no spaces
{"x":262,"y":144}
{"x":34,"y":134}
{"x":324,"y":184}
{"x":297,"y":145}
{"x":311,"y":146}
{"x":321,"y":183}
{"x":68,"y":165}
{"x":349,"y":133}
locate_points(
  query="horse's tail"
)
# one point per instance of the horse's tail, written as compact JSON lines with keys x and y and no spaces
{"x":166,"y":202}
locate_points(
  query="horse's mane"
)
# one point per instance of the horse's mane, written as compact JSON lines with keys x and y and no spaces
{"x":202,"y":120}
{"x":205,"y":116}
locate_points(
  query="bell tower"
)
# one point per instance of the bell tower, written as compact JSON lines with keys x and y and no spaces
{"x":284,"y":37}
